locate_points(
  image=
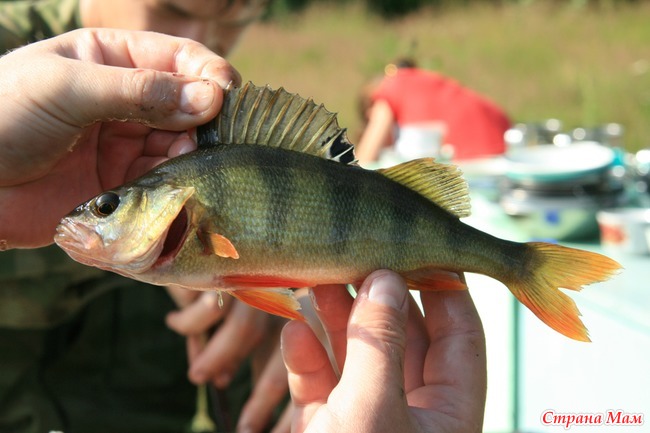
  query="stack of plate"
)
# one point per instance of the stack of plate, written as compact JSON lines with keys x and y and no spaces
{"x":555,"y":192}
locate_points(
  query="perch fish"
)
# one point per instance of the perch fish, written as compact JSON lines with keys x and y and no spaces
{"x":273,"y":199}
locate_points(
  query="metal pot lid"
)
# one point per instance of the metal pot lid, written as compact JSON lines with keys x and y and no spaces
{"x":550,"y":163}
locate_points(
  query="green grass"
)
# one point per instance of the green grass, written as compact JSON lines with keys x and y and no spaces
{"x":583,"y":65}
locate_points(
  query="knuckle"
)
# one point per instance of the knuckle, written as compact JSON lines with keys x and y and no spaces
{"x":382,"y":330}
{"x":276,"y":386}
{"x":149,"y":92}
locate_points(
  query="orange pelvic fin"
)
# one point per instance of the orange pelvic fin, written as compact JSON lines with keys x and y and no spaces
{"x":280,"y":302}
{"x":214,"y":243}
{"x":550,"y":267}
{"x":430,"y":279}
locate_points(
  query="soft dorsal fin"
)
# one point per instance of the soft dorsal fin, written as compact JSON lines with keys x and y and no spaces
{"x":443,"y":184}
{"x":276,"y":118}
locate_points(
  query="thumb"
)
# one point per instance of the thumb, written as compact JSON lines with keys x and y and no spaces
{"x":374,"y":362}
{"x":163,"y":100}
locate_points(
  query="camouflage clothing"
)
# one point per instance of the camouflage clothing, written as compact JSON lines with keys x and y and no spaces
{"x":22,"y":22}
{"x":83,"y":350}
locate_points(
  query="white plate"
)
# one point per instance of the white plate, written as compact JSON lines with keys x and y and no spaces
{"x":553,"y":163}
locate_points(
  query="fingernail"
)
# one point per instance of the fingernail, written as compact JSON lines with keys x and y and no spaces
{"x":197,"y":97}
{"x":388,"y":289}
{"x":182,"y":146}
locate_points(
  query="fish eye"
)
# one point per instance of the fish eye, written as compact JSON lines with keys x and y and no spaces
{"x":106,"y":204}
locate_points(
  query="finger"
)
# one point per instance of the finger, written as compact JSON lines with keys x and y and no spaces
{"x":417,"y":344}
{"x":268,"y":392}
{"x":161,"y":81}
{"x":195,"y":345}
{"x":119,"y":141}
{"x":332,"y":304}
{"x":182,"y":297}
{"x":456,"y":359}
{"x":284,"y":423}
{"x":311,"y":377}
{"x":148,"y":50}
{"x":375,"y":354}
{"x":163,"y":143}
{"x":180,"y":146}
{"x":158,"y":99}
{"x":200,"y":315}
{"x":139,"y":167}
{"x":144,"y":146}
{"x":240,"y":332}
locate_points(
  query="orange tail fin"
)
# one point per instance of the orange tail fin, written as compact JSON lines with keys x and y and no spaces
{"x":551,"y":267}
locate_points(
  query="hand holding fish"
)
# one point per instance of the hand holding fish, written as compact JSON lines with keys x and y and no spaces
{"x":87,"y":110}
{"x":243,"y":332}
{"x":400,"y":371}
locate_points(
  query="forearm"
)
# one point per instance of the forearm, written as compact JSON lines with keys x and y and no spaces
{"x":377,"y":132}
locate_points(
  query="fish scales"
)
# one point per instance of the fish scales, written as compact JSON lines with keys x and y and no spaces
{"x":273,"y":198}
{"x":289,"y":197}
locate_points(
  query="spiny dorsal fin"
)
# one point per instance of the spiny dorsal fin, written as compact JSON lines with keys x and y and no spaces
{"x":443,"y":184}
{"x":276,"y":118}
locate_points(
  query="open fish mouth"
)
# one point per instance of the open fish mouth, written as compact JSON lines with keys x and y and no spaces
{"x":174,"y":238}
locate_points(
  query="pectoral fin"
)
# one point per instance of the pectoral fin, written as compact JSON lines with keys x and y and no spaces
{"x":280,"y":302}
{"x":214,"y":243}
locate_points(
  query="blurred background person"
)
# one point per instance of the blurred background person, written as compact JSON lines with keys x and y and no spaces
{"x":218,"y":24}
{"x":93,"y":350}
{"x":416,"y":113}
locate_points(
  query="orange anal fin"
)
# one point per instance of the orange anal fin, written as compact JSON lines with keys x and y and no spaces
{"x":257,"y":281}
{"x":279,"y":302}
{"x":430,"y":279}
{"x":214,"y":243}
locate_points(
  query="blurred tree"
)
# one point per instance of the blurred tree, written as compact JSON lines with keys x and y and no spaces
{"x":394,"y":8}
{"x":385,"y":8}
{"x":389,"y":9}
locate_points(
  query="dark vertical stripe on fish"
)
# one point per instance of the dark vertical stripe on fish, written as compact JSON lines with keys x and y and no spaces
{"x":402,"y":223}
{"x":280,"y":188}
{"x":214,"y":193}
{"x":344,"y":198}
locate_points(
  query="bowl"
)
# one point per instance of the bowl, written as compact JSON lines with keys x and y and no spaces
{"x":625,"y":229}
{"x":550,"y":163}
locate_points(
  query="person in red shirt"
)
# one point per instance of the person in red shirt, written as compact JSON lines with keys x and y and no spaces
{"x":428,"y":105}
